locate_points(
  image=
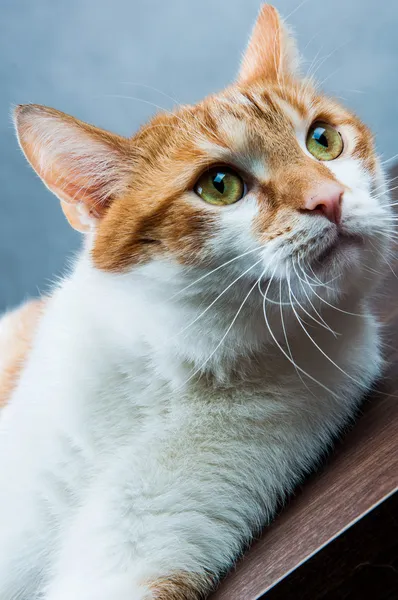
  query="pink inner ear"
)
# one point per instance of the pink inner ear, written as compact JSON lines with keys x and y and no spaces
{"x":74,"y":189}
{"x":263,"y":56}
{"x":75,"y":217}
{"x":80,"y":207}
{"x":81,"y":201}
{"x":84,"y":166}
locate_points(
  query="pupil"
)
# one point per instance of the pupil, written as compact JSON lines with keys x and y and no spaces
{"x":320,"y":137}
{"x":218,"y":182}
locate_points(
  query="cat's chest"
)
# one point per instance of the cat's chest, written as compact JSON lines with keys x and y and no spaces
{"x":127,"y":403}
{"x":133,"y":406}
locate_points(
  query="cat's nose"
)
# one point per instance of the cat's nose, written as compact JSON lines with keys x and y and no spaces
{"x":326,"y":198}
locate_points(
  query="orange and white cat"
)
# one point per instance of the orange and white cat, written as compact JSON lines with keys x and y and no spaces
{"x":212,"y":339}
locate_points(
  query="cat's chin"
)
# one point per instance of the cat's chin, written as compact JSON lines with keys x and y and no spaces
{"x":345,"y":245}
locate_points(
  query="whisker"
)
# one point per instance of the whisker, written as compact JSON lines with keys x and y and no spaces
{"x":150,"y":87}
{"x":388,"y":190}
{"x":324,"y":353}
{"x":332,"y":74}
{"x":322,"y":321}
{"x":389,"y":233}
{"x":285,"y":334}
{"x":174,"y":100}
{"x":324,"y":283}
{"x":372,"y":271}
{"x":325,"y":58}
{"x":384,"y":162}
{"x":199,"y":369}
{"x":385,"y":183}
{"x":309,"y":74}
{"x":310,"y":41}
{"x":384,"y":259}
{"x":315,"y":277}
{"x":269,"y":299}
{"x":282,"y":349}
{"x":307,"y":278}
{"x":228,"y":262}
{"x":296,"y":9}
{"x":124,"y":97}
{"x":332,"y":305}
{"x":217,"y":298}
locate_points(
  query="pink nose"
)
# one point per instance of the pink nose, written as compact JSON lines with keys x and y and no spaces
{"x":326,"y":198}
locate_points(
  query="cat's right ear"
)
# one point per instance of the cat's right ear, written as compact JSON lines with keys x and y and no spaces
{"x":86,"y":167}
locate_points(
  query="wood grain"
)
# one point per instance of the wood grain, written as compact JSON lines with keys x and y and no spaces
{"x":360,"y":563}
{"x":361,"y":473}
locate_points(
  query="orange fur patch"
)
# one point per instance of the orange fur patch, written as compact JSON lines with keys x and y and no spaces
{"x":182,"y":586}
{"x":155,"y":217}
{"x":16,"y":334}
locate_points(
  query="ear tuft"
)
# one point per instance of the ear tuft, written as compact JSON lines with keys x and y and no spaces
{"x":84,"y":166}
{"x":271,"y":53}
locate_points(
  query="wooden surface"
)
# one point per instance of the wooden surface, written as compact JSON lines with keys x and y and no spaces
{"x":361,"y":474}
{"x":360,"y":563}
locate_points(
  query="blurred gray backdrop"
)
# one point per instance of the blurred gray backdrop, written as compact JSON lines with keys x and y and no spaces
{"x":107,"y":61}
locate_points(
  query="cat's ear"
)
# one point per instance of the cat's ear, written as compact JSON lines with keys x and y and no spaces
{"x":271,"y":53}
{"x":84,"y":166}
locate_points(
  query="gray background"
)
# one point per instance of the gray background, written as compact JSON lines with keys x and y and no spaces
{"x":77,"y":55}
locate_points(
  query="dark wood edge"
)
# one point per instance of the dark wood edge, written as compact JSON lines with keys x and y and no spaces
{"x":318,"y":550}
{"x":362,"y":562}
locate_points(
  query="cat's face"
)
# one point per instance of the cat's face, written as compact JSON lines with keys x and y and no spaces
{"x":268,"y":170}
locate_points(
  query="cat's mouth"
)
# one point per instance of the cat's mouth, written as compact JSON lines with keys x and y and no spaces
{"x":343,"y":242}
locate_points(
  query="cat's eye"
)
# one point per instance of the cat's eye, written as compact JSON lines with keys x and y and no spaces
{"x":324,"y":141}
{"x":220,"y":186}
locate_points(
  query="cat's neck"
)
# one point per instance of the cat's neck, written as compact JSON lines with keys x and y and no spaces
{"x":182,"y":331}
{"x":143,"y":307}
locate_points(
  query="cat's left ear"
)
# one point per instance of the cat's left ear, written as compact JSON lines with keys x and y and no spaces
{"x":271,"y":53}
{"x":86,"y":167}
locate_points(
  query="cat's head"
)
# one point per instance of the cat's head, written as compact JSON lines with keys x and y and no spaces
{"x":268,"y":176}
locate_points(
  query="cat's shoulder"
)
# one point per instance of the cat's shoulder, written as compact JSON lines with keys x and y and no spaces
{"x":17,"y":329}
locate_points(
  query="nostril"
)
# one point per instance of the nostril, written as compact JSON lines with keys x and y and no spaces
{"x":319,"y":209}
{"x":327,"y":201}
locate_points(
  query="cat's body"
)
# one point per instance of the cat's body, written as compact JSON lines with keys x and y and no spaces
{"x":132,"y":462}
{"x":156,"y":423}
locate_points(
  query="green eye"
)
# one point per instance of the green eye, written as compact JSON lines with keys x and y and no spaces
{"x":220,"y":186}
{"x":324,"y":141}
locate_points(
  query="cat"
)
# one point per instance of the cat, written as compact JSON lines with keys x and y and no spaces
{"x":212,"y":339}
